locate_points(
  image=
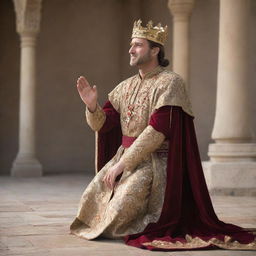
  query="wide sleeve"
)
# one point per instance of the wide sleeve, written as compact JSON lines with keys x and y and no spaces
{"x":103,"y":119}
{"x":95,"y":119}
{"x":147,"y":142}
{"x":150,"y":139}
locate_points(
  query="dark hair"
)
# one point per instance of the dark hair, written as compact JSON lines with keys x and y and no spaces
{"x":162,"y":61}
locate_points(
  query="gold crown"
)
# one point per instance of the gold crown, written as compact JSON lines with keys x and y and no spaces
{"x":156,"y":34}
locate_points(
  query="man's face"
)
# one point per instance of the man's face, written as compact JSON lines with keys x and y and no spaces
{"x":140,"y":53}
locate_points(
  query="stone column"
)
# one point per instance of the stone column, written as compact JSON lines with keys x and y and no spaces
{"x":181,"y":10}
{"x":232,"y":165}
{"x":27,"y":24}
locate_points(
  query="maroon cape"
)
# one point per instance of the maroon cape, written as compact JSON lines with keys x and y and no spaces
{"x":187,"y":208}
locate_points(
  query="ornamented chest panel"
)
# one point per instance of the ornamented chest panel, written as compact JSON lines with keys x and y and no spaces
{"x":135,"y":107}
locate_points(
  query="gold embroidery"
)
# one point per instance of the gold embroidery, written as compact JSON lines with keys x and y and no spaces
{"x":159,"y":88}
{"x":96,"y":119}
{"x":171,"y":91}
{"x":196,"y":242}
{"x":139,"y":194}
{"x":148,"y":141}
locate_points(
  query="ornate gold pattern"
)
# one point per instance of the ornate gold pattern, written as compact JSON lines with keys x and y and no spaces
{"x":138,"y":196}
{"x":135,"y":201}
{"x":156,"y":34}
{"x":142,"y":147}
{"x":96,"y":119}
{"x":159,"y":88}
{"x":196,"y":242}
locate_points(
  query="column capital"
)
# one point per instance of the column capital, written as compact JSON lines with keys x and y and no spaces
{"x":28,"y":16}
{"x":181,"y":9}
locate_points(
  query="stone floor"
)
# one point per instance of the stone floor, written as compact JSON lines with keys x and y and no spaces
{"x":35,"y":214}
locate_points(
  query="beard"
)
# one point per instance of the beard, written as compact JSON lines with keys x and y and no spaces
{"x":140,"y":60}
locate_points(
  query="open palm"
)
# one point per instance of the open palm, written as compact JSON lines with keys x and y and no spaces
{"x":88,"y":94}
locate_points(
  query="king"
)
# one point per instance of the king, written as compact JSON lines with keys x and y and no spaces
{"x":149,"y":188}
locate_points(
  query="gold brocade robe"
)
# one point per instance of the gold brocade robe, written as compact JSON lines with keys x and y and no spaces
{"x":138,"y":196}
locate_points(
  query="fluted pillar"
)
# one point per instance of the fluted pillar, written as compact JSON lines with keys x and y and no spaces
{"x":27,"y":24}
{"x":181,"y":10}
{"x":232,"y":157}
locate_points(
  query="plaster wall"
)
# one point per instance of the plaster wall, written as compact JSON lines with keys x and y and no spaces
{"x":75,"y":40}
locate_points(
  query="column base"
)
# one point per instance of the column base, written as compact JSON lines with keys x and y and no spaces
{"x":232,"y":152}
{"x":26,"y":167}
{"x":230,"y":178}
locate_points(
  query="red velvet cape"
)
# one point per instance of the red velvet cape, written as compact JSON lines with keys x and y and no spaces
{"x":187,"y":208}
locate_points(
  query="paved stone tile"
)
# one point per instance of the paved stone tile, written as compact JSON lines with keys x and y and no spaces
{"x":31,"y":230}
{"x":18,"y":251}
{"x":103,"y":252}
{"x":39,"y":220}
{"x":15,"y":241}
{"x":43,"y":203}
{"x":15,"y":208}
{"x":3,"y":248}
{"x":139,"y":252}
{"x":6,"y":222}
{"x":59,"y":241}
{"x":35,"y":214}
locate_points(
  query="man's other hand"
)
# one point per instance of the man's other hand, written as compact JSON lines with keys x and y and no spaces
{"x":112,"y":173}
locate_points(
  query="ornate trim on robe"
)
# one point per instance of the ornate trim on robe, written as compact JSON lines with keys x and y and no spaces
{"x":196,"y":243}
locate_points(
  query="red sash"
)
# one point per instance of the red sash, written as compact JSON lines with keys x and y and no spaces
{"x":127,"y":141}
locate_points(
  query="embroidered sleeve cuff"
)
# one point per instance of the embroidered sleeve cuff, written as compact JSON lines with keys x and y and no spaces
{"x":148,"y":141}
{"x":96,"y":119}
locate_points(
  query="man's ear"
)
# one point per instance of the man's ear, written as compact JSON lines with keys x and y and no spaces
{"x":155,"y":51}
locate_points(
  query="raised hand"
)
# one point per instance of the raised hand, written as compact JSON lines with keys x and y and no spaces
{"x":88,"y":94}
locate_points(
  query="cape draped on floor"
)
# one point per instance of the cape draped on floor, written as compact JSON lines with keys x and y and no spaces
{"x":187,"y":220}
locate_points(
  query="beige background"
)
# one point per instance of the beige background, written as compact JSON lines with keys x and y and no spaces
{"x":91,"y":37}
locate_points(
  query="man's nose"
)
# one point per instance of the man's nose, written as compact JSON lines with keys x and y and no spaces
{"x":131,"y":50}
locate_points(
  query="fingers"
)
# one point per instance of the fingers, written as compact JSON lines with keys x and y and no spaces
{"x":109,"y":181}
{"x":82,"y":80}
{"x":82,"y":83}
{"x":79,"y":86}
{"x":105,"y":179}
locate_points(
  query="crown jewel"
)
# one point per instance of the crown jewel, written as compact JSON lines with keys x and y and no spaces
{"x":156,"y":34}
